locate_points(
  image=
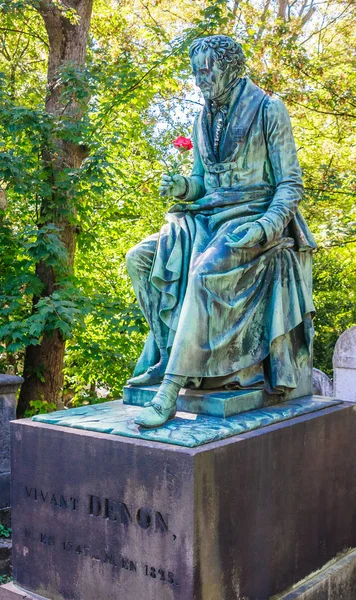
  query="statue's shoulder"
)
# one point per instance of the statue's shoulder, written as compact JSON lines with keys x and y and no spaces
{"x":274,"y":108}
{"x":251,"y":88}
{"x":270,"y":100}
{"x":274,"y":102}
{"x":247,"y":92}
{"x":275,"y":113}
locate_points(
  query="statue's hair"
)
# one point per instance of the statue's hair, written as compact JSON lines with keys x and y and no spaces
{"x":225,"y":50}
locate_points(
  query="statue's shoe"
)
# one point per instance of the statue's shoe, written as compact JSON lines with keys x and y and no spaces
{"x":152,"y":376}
{"x":157,"y":413}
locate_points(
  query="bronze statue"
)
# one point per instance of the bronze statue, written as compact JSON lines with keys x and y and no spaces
{"x":226,"y":284}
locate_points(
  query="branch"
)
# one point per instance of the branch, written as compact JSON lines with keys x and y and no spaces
{"x":170,"y":12}
{"x":302,"y":8}
{"x":26,"y":33}
{"x":183,"y":100}
{"x":333,"y":244}
{"x":32,"y":62}
{"x":234,"y":10}
{"x":263,"y":19}
{"x":328,"y":24}
{"x":158,"y":26}
{"x":4,"y":50}
{"x":331,"y":192}
{"x":321,"y":112}
{"x":308,"y":15}
{"x":23,"y":51}
{"x":322,"y":85}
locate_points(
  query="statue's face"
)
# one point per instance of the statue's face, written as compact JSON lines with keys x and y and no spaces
{"x":208,"y":76}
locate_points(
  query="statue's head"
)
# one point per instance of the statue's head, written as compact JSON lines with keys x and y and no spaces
{"x":216,"y":60}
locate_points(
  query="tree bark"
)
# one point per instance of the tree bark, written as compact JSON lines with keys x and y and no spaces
{"x":282,"y":8}
{"x":43,"y":367}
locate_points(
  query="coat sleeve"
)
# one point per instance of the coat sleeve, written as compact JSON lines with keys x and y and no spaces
{"x":287,"y":173}
{"x":195,"y":183}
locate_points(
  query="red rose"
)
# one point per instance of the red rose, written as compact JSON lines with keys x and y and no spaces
{"x":183,"y":144}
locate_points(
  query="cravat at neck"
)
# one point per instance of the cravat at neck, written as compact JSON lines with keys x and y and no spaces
{"x":218,"y":127}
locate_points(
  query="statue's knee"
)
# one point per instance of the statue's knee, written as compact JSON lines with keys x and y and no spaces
{"x":138,"y":261}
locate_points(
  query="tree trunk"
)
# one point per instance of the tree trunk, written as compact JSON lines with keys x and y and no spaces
{"x":67,"y":44}
{"x":282,"y":8}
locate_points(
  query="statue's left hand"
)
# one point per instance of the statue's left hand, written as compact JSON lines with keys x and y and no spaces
{"x":248,"y":236}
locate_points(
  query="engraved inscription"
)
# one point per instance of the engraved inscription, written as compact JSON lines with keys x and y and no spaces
{"x":47,"y":539}
{"x":100,"y":509}
{"x":113,"y":510}
{"x":104,"y":508}
{"x":161,"y":574}
{"x":109,"y":558}
{"x":52,"y":498}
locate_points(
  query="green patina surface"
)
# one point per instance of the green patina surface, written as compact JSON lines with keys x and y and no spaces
{"x":189,"y":430}
{"x":225,"y":286}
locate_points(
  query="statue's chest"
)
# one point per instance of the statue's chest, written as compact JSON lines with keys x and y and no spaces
{"x":239,"y":152}
{"x":237,"y":129}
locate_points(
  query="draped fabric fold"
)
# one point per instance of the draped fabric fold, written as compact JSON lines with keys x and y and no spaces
{"x":228,"y":310}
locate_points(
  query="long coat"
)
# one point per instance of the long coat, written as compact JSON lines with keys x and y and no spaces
{"x":237,"y":316}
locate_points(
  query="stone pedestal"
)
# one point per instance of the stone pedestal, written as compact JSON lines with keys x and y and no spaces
{"x":9,"y":385}
{"x":99,"y":516}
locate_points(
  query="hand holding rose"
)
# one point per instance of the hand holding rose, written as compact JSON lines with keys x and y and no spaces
{"x":172,"y":185}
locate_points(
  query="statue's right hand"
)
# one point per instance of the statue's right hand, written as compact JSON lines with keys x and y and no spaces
{"x":172,"y":185}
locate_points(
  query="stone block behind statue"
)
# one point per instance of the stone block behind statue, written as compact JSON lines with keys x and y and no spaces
{"x":226,"y":284}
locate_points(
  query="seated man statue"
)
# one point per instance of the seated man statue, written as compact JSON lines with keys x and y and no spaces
{"x":226,"y":284}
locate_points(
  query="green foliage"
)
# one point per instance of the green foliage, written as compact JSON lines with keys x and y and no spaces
{"x":40,"y":407}
{"x":5,"y":532}
{"x":134,"y":96}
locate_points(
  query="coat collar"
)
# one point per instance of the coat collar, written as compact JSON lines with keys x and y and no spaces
{"x":245,"y":101}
